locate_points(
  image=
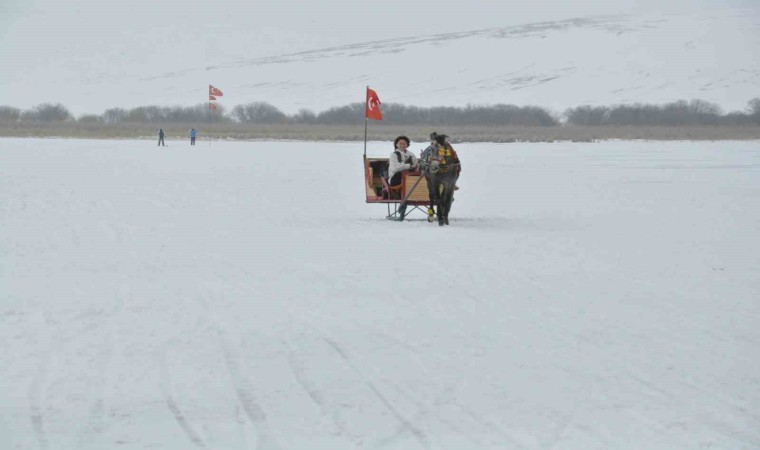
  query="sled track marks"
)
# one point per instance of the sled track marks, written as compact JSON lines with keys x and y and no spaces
{"x":110,"y":355}
{"x":417,"y":433}
{"x":246,"y":398}
{"x":35,"y":403}
{"x":432,"y":409}
{"x":247,"y":401}
{"x":171,"y":403}
{"x":35,"y":393}
{"x":300,"y":375}
{"x":180,"y":418}
{"x":96,"y":419}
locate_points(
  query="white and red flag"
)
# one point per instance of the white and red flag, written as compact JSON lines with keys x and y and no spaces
{"x":372,"y":107}
{"x":212,"y":91}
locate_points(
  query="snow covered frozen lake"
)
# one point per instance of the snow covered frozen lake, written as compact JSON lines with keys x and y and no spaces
{"x":242,"y":295}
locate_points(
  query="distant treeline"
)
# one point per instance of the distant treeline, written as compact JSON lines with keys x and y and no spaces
{"x":680,"y":113}
{"x":695,"y":112}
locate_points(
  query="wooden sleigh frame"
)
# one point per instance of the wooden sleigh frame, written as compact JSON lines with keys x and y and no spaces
{"x":379,"y":191}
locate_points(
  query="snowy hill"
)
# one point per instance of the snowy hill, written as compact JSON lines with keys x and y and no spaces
{"x":710,"y":54}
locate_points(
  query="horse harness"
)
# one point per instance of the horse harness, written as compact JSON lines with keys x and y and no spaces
{"x":444,"y":153}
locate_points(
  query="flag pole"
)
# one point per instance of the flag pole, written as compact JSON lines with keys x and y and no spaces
{"x":209,"y":117}
{"x":365,"y":123}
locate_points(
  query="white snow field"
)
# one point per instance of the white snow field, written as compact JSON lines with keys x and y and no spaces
{"x":242,"y":295}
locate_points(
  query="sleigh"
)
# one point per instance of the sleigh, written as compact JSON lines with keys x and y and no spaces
{"x":413,"y":189}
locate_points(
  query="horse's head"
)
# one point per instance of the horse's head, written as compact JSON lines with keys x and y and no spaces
{"x":441,"y":139}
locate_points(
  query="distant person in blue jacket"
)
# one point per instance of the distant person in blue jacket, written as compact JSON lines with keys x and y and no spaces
{"x":161,"y":137}
{"x":192,"y":136}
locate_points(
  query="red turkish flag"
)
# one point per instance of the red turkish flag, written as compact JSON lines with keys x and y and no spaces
{"x":211,"y":97}
{"x":214,"y":91}
{"x":372,"y":108}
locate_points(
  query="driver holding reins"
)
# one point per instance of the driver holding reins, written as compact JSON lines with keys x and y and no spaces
{"x":439,"y":155}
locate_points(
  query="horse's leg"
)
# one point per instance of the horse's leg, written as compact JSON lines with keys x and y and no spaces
{"x":431,"y":197}
{"x":437,"y":184}
{"x":446,"y":202}
{"x":448,"y":198}
{"x":448,"y":206}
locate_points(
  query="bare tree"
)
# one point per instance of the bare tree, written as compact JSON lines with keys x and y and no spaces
{"x":304,"y":116}
{"x":695,"y":112}
{"x":588,"y":115}
{"x":115,"y":115}
{"x":9,"y":114}
{"x":147,"y":114}
{"x":89,"y":118}
{"x":217,"y":115}
{"x":754,"y":108}
{"x":47,"y":112}
{"x":352,"y":114}
{"x":258,"y":112}
{"x":689,"y":113}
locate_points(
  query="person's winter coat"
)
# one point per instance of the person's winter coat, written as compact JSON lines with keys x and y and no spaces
{"x":408,"y":160}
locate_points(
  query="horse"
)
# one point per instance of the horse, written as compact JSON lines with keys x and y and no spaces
{"x":441,"y":166}
{"x":441,"y":180}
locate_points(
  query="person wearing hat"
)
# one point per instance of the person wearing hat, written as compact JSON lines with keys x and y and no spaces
{"x":400,"y":160}
{"x":439,"y":152}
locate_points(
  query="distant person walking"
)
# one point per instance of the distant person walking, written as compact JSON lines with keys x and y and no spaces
{"x":161,"y":138}
{"x":192,"y":136}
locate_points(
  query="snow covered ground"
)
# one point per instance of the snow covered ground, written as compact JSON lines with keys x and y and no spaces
{"x":241,"y":295}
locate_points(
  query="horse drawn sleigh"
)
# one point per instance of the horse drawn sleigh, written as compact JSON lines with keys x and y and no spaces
{"x":431,"y":183}
{"x":412,"y":192}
